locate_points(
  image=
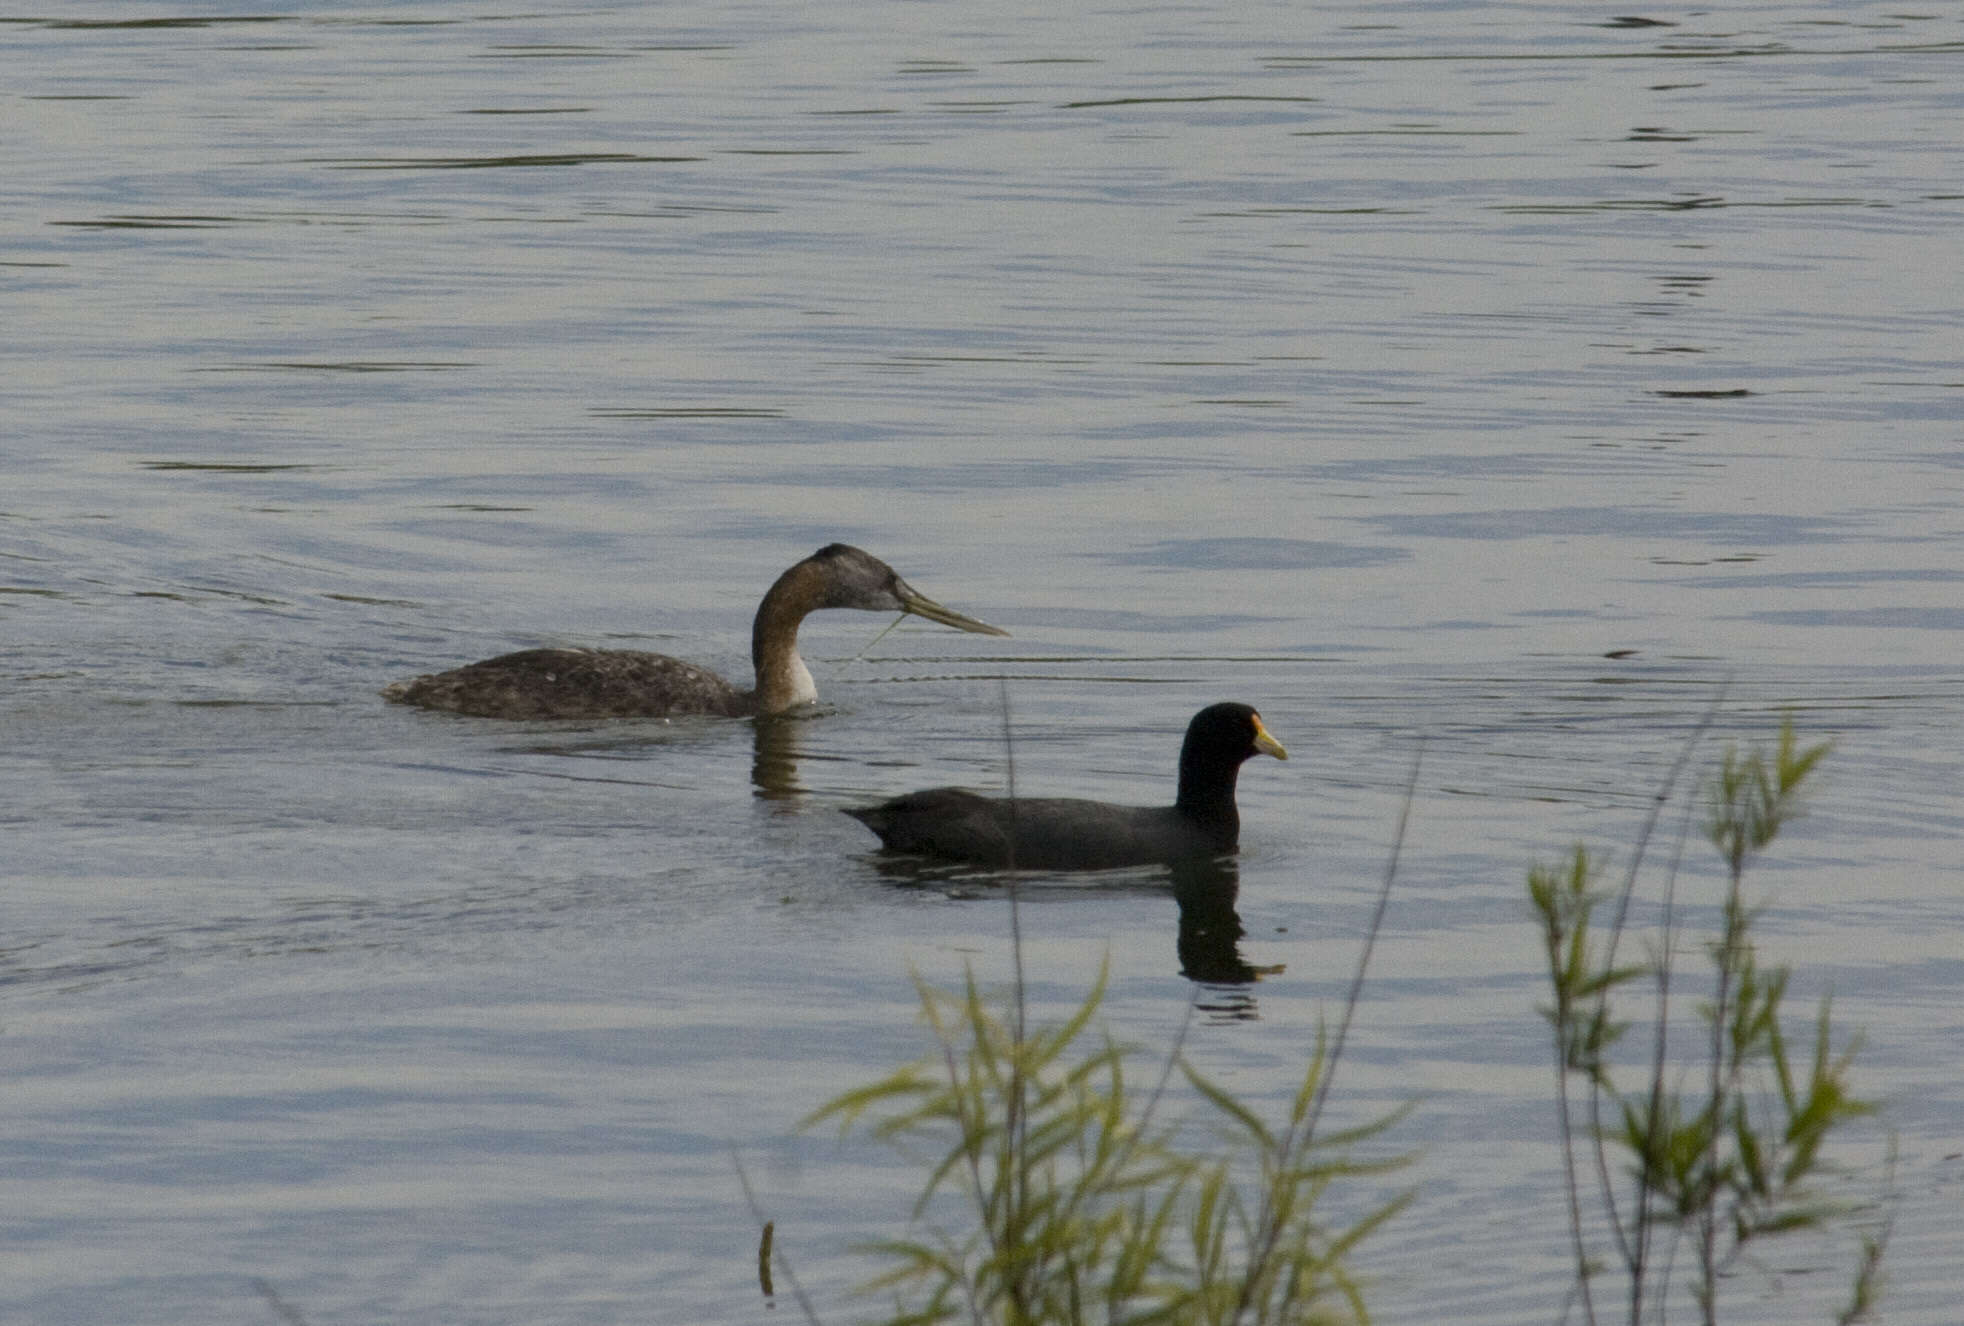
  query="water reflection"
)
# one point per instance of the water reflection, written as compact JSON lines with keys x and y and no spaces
{"x":774,"y":763}
{"x":1209,"y":942}
{"x":1208,"y":930}
{"x":1210,"y":927}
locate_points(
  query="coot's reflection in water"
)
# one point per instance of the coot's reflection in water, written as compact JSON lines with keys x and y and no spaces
{"x":1210,"y":940}
{"x":1208,"y":934}
{"x":1210,"y":927}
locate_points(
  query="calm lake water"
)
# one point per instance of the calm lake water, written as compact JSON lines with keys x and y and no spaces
{"x":1518,"y":378}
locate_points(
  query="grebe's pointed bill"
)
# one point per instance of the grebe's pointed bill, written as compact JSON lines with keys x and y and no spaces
{"x":912,"y":600}
{"x":1266,"y":743}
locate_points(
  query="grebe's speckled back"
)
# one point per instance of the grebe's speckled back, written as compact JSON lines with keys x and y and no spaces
{"x":1067,"y":833}
{"x":623,"y":683}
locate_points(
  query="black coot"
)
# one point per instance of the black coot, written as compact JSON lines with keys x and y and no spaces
{"x":1069,"y":833}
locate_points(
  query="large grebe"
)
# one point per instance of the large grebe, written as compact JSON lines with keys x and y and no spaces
{"x":624,"y":683}
{"x":1066,"y":833}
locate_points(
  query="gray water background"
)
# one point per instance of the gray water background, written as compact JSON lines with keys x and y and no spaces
{"x":1518,"y":378}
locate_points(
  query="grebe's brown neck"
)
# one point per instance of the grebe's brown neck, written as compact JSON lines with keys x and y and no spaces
{"x":783,"y":680}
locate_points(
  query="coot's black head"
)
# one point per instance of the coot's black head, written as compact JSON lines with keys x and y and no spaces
{"x":1228,"y":733}
{"x":1219,"y":738}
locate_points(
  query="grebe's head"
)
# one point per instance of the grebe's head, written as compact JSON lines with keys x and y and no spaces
{"x":852,"y":578}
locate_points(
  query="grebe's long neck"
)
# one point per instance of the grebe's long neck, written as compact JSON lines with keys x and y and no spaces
{"x":783,"y":680}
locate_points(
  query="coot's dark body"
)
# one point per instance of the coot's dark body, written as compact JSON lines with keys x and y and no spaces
{"x":1069,"y":833}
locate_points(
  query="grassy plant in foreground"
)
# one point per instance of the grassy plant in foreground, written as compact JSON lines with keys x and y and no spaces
{"x":1055,"y":1192}
{"x":1077,"y":1204}
{"x":1725,"y":1155}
